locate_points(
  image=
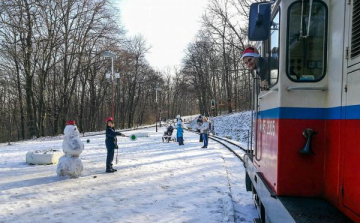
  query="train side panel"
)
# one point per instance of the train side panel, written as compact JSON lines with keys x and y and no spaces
{"x":330,"y":106}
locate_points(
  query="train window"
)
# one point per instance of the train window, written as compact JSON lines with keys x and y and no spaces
{"x":306,"y":41}
{"x":274,"y":50}
{"x":355,"y":31}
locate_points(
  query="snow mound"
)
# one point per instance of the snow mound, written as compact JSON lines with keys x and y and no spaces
{"x":235,"y":126}
{"x":45,"y":157}
{"x":193,"y":124}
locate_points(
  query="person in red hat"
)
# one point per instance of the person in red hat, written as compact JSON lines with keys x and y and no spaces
{"x":254,"y":62}
{"x":111,"y":143}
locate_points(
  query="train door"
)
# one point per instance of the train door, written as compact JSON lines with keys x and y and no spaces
{"x":350,"y":188}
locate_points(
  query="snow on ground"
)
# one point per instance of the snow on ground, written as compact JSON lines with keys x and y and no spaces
{"x":235,"y":126}
{"x":155,"y":182}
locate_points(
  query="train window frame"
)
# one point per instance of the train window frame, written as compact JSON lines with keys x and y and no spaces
{"x":325,"y":50}
{"x":276,"y":13}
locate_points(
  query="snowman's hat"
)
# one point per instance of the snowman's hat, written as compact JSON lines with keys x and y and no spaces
{"x":71,"y":122}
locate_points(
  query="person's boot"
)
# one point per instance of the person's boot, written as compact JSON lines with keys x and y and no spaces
{"x":111,"y":167}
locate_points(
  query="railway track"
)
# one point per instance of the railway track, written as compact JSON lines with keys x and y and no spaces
{"x":238,"y":151}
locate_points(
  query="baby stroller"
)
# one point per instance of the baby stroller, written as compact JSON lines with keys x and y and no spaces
{"x":167,"y":134}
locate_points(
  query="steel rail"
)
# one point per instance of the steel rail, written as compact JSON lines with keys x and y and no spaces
{"x":218,"y":140}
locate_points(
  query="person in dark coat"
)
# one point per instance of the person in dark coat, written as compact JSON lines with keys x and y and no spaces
{"x":199,"y":124}
{"x":111,"y":143}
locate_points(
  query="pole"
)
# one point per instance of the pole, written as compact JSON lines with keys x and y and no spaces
{"x":159,"y":116}
{"x":112,"y":66}
{"x":156,"y":115}
{"x":117,"y":153}
{"x":156,"y":112}
{"x":159,"y":112}
{"x":112,"y":87}
{"x":155,"y":95}
{"x":112,"y":99}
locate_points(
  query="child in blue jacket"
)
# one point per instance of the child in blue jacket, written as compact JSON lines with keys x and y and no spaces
{"x":179,"y":135}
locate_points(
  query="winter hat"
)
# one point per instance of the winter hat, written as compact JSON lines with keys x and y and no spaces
{"x":109,"y":119}
{"x":250,"y":52}
{"x":71,"y":122}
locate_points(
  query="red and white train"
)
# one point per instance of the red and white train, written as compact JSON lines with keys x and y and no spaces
{"x":305,"y":164}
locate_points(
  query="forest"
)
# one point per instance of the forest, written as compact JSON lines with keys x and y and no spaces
{"x":55,"y":67}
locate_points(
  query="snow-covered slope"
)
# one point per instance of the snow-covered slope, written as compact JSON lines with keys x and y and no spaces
{"x":235,"y":126}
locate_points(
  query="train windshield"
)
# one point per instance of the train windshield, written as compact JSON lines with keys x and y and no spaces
{"x":306,"y":41}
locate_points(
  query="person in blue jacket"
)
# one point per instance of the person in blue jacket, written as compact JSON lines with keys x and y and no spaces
{"x":180,"y":134}
{"x":111,"y":143}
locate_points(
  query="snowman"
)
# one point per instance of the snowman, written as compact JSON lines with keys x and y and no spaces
{"x":70,"y":165}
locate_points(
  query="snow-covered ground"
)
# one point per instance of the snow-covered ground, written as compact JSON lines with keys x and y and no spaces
{"x":235,"y":126}
{"x":155,"y":182}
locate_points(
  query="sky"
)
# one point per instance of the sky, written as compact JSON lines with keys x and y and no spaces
{"x":167,"y":25}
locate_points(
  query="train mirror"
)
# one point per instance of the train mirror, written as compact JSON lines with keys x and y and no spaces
{"x":259,"y":21}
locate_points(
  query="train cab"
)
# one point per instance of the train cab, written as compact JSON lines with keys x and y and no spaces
{"x":307,"y":122}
